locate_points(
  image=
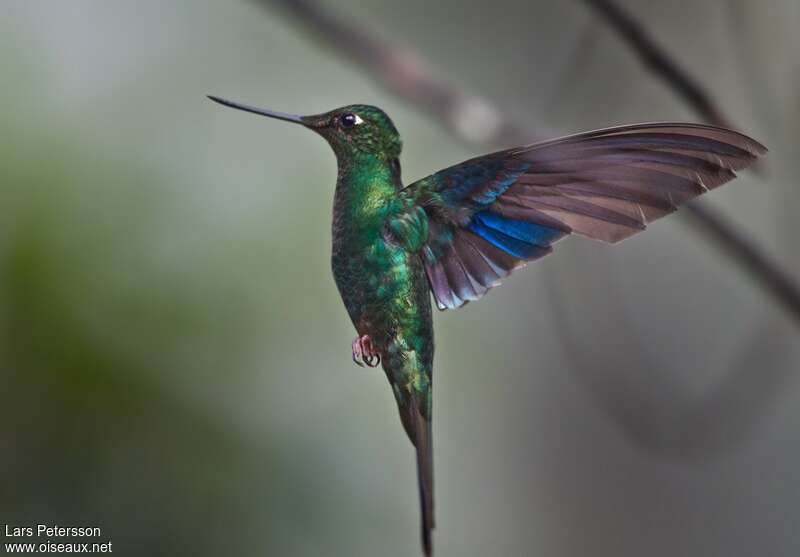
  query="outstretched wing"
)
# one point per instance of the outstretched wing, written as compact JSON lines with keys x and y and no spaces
{"x":491,"y":214}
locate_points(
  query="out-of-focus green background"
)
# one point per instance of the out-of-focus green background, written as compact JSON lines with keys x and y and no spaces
{"x":175,"y":361}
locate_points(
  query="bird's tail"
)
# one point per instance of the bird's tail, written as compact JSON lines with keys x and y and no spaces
{"x":420,"y":432}
{"x":424,"y":446}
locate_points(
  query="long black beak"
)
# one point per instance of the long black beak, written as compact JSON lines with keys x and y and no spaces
{"x":263,"y":112}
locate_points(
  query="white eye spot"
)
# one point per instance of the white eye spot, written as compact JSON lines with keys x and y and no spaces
{"x":349,"y":120}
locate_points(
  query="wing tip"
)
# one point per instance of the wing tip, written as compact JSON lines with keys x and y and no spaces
{"x":745,"y":142}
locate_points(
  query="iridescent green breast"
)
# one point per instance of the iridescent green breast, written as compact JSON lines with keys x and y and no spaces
{"x":383,"y":284}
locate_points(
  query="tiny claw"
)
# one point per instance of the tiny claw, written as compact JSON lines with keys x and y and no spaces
{"x":357,"y":353}
{"x":364,"y":352}
{"x":370,"y":355}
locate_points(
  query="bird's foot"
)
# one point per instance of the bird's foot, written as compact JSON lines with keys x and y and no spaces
{"x":364,"y":352}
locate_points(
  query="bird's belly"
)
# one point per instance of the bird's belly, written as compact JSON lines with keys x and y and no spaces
{"x":384,"y":289}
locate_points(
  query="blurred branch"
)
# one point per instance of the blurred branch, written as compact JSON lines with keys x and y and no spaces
{"x":476,"y":122}
{"x":659,"y":62}
{"x":402,"y":72}
{"x":654,"y":411}
{"x":748,"y":255}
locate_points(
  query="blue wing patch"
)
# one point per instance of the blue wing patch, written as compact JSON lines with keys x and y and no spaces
{"x":522,"y":239}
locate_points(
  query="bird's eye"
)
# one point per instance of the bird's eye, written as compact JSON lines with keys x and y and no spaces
{"x":349,"y":120}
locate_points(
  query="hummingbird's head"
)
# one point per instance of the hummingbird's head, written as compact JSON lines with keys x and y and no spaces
{"x":357,"y":128}
{"x":350,"y":130}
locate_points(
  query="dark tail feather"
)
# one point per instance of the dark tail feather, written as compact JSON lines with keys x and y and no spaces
{"x":420,"y":432}
{"x":424,"y":445}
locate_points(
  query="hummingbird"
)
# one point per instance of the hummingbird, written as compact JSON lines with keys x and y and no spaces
{"x":459,"y":232}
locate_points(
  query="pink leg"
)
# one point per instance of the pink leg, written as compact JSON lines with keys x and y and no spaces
{"x":364,"y":352}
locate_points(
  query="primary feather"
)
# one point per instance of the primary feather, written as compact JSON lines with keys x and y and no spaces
{"x":492,"y":214}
